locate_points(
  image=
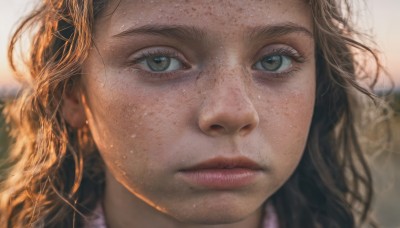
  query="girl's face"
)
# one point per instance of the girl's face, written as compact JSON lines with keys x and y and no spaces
{"x":200,"y":109}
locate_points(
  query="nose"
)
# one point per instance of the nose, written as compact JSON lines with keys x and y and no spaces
{"x":227,"y":109}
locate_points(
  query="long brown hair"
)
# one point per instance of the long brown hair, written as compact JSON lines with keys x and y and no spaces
{"x":332,"y":186}
{"x":56,"y":174}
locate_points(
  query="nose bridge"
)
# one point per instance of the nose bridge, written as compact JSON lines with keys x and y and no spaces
{"x":231,"y":91}
{"x":230,"y":77}
{"x":228,"y":107}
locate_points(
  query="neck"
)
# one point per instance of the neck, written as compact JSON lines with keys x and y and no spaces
{"x":127,"y":210}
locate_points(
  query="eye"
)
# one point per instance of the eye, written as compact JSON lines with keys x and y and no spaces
{"x":274,"y":63}
{"x":160,"y":63}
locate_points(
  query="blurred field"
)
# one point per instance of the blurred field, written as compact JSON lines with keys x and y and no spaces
{"x":3,"y":137}
{"x":385,"y":169}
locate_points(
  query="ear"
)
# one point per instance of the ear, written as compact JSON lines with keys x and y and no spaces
{"x":72,"y":107}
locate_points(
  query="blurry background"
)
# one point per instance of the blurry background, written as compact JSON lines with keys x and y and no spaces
{"x":380,"y":18}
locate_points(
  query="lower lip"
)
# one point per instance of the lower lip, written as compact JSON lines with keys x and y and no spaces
{"x":221,"y":178}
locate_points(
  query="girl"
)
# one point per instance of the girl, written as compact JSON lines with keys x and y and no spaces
{"x":188,"y":114}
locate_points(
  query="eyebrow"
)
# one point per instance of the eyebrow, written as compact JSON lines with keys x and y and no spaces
{"x":184,"y":32}
{"x":173,"y":31}
{"x":277,"y":30}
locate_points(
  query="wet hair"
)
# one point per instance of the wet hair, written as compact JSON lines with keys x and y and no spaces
{"x":56,"y":176}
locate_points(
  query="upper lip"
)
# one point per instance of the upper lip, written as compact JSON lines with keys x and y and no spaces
{"x":225,"y":163}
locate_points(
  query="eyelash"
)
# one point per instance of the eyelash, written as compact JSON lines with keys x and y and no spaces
{"x":283,"y":51}
{"x":290,"y":52}
{"x":152,"y":53}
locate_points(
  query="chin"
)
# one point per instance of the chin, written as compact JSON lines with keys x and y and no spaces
{"x":213,"y":218}
{"x":208,"y":214}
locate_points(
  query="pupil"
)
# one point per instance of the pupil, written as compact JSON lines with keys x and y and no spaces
{"x":158,"y":63}
{"x":272,"y":63}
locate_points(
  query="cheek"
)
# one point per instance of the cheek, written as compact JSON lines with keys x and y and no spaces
{"x":285,"y":119}
{"x":112,"y":122}
{"x":131,"y":127}
{"x":295,"y":115}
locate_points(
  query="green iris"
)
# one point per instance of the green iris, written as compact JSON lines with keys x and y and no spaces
{"x":272,"y":63}
{"x":158,"y":63}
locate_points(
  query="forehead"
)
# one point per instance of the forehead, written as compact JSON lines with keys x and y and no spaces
{"x":220,"y":16}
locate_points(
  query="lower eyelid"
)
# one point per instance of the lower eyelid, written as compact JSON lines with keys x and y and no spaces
{"x":264,"y":75}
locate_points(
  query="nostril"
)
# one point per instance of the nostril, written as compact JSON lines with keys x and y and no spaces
{"x":216,"y":127}
{"x":220,"y":128}
{"x":247,"y":127}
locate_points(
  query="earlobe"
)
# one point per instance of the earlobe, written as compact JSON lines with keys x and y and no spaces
{"x":72,"y":108}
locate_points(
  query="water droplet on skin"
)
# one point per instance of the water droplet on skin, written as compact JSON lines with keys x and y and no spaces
{"x":131,"y":151}
{"x":87,"y":122}
{"x":124,"y":157}
{"x":133,"y":136}
{"x":259,"y":97}
{"x":111,"y":146}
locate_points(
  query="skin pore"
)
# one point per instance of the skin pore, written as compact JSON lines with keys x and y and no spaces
{"x":171,"y":84}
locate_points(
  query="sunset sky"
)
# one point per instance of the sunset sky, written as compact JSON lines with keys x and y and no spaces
{"x":381,"y":18}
